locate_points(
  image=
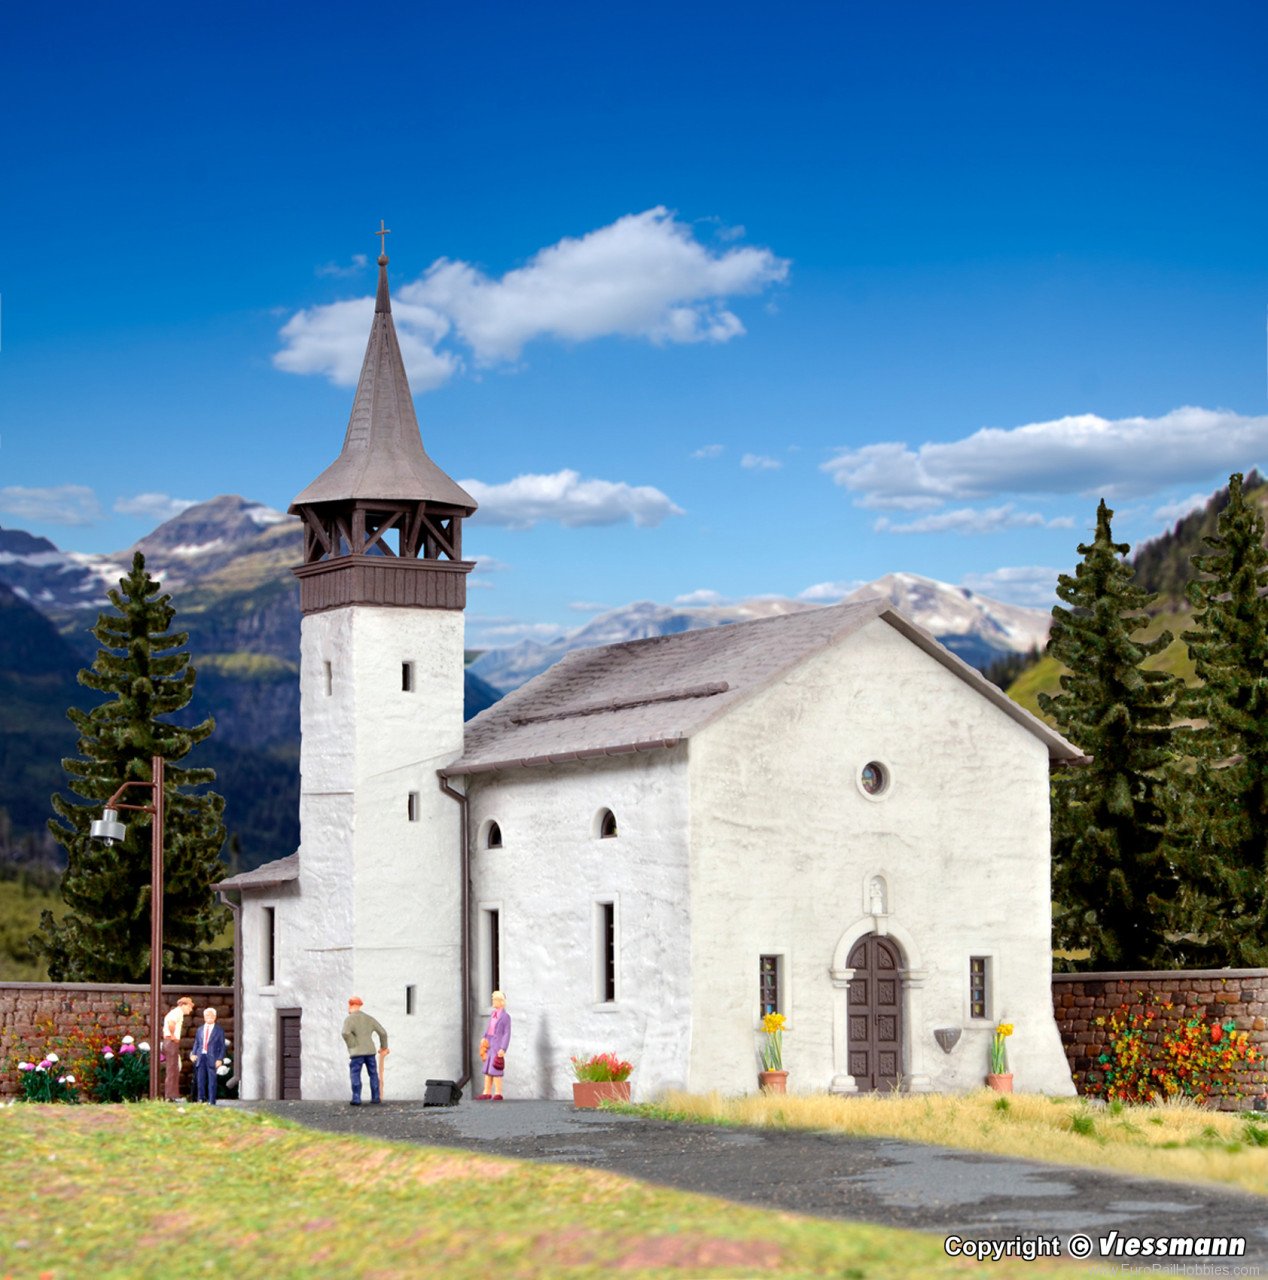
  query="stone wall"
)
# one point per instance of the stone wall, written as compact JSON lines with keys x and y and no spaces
{"x":68,"y":1016}
{"x":1079,"y":999}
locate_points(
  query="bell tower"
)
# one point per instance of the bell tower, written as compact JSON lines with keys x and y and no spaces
{"x":382,"y":593}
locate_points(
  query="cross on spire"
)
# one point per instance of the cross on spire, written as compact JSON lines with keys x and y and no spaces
{"x":383,"y":232}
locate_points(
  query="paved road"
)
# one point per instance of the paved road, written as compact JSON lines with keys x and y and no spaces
{"x":896,"y":1184}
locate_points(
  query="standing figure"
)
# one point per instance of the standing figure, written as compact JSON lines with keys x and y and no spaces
{"x":173,"y":1029}
{"x":497,"y":1039}
{"x":208,"y":1054}
{"x":359,"y":1030}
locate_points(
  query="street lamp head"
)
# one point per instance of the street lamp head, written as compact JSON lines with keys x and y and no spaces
{"x":108,"y":828}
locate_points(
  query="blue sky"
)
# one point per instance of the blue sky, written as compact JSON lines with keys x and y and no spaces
{"x":707,"y":300}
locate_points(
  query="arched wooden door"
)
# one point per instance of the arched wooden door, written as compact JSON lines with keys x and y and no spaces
{"x":875,"y":1022}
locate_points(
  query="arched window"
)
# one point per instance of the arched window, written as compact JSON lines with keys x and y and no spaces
{"x":607,"y":825}
{"x":493,"y":836}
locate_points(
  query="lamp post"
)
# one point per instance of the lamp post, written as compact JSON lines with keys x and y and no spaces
{"x":109,"y":829}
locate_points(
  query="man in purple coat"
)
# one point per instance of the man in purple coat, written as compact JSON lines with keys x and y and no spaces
{"x":497,"y":1039}
{"x":208,"y":1054}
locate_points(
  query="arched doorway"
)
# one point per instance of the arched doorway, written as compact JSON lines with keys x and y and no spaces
{"x":875,"y":1014}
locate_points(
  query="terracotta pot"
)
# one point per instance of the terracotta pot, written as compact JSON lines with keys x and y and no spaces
{"x":772,"y":1081}
{"x":1002,"y":1083}
{"x":587,"y":1094}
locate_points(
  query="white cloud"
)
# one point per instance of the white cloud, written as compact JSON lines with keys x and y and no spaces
{"x":970,"y":520}
{"x":709,"y":451}
{"x":829,"y":592}
{"x":588,"y":606}
{"x":331,"y":340}
{"x":507,"y":633}
{"x":646,"y":275}
{"x":1031,"y":585}
{"x":1171,"y":512}
{"x":70,"y":504}
{"x":486,"y":564}
{"x":1084,"y":454}
{"x":155,"y":506}
{"x":355,"y":267}
{"x":757,"y":462}
{"x":567,"y":498}
{"x":702,"y":595}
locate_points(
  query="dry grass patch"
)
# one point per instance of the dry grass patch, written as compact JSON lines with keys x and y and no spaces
{"x":1180,"y":1141}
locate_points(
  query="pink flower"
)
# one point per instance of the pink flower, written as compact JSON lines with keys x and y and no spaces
{"x":26,"y":1066}
{"x":127,"y":1048}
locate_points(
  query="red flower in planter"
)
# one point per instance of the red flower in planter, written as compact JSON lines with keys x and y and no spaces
{"x":1217,"y":1033}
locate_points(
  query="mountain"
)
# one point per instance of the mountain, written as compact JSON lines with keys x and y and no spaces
{"x":976,"y":628}
{"x":227,"y":565}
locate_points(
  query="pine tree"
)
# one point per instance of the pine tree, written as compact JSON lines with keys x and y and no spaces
{"x":1110,"y":875}
{"x":105,"y":934}
{"x":1221,"y":803}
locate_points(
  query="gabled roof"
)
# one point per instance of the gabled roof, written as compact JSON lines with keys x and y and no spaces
{"x":648,"y":694}
{"x":271,"y":873}
{"x":383,"y":455}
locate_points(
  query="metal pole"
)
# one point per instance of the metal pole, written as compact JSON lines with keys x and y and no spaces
{"x":156,"y":924}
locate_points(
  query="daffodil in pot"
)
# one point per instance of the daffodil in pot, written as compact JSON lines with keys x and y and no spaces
{"x":772,"y":1078}
{"x":1000,"y":1078}
{"x":603,"y":1077}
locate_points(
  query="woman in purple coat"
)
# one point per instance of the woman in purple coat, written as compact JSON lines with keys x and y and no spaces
{"x":497,"y":1038}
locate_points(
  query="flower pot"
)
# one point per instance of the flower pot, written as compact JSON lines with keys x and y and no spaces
{"x":1002,"y":1083}
{"x":587,"y":1094}
{"x":772,"y":1081}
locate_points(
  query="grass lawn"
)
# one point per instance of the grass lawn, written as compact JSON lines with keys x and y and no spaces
{"x":153,"y":1190}
{"x":1183,"y":1142}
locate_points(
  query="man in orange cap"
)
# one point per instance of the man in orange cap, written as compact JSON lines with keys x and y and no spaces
{"x":359,"y":1030}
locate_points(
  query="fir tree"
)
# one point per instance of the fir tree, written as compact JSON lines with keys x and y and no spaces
{"x":1108,"y":820}
{"x":1221,"y":803}
{"x":105,"y":934}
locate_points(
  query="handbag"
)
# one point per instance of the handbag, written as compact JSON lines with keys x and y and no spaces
{"x":499,"y":1061}
{"x":484,"y":1050}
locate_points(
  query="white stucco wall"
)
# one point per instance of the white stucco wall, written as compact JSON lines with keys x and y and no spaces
{"x":376,"y":909}
{"x":784,"y":844}
{"x":546,"y":881}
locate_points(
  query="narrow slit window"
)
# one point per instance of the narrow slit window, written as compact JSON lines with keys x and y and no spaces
{"x":330,"y":679}
{"x":494,"y":840}
{"x":493,"y":924}
{"x":407,"y":677}
{"x":979,"y":986}
{"x":769,"y":975}
{"x":270,"y":946}
{"x":606,"y":940}
{"x":409,"y":1001}
{"x":607,"y":825}
{"x":413,"y":806}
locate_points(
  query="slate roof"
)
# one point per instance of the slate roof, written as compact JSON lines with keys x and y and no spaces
{"x":649,"y":694}
{"x":383,"y":455}
{"x":277,"y":872}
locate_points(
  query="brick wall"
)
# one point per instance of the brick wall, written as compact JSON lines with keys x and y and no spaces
{"x":31,"y":1013}
{"x":1078,"y":999}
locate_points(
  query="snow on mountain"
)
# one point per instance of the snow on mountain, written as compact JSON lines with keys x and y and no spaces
{"x":979,"y":630}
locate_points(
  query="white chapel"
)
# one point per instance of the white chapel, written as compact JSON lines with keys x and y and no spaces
{"x":646,"y":847}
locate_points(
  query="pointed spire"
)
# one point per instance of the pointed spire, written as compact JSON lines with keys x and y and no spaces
{"x":383,"y":455}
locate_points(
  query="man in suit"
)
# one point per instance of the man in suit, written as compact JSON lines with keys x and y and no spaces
{"x":209,"y":1053}
{"x":359,"y":1030}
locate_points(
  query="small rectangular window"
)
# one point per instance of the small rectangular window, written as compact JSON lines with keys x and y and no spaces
{"x":413,"y":806}
{"x":270,"y":946}
{"x":979,"y":986}
{"x":407,"y":677}
{"x":605,"y":948}
{"x":330,"y":679}
{"x":409,"y":1001}
{"x":769,"y":975}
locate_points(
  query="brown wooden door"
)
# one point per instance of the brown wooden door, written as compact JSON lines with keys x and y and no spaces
{"x":288,"y":1053}
{"x":875,"y":1014}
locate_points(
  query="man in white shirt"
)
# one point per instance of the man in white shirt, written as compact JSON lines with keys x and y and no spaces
{"x":173,"y":1026}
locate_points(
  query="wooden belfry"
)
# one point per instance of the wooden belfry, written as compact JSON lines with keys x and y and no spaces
{"x":383,"y":523}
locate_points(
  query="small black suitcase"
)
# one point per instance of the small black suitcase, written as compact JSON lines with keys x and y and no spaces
{"x":442,"y":1093}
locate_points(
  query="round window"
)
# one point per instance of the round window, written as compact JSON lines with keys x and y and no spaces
{"x":874,"y":779}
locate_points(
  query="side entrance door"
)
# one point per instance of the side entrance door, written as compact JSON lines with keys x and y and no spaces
{"x":875,"y":1019}
{"x":288,"y":1052}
